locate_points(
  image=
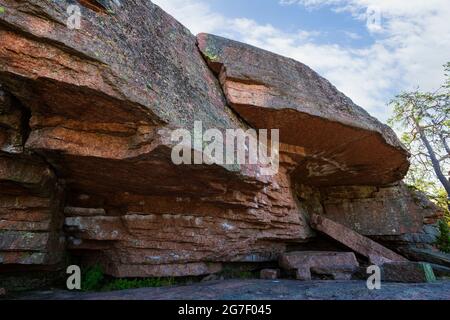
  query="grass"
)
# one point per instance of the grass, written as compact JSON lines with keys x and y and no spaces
{"x":95,"y":280}
{"x":92,"y":279}
{"x":125,"y":284}
{"x":443,"y":242}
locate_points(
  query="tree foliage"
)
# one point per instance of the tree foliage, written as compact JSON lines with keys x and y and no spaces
{"x":424,"y":120}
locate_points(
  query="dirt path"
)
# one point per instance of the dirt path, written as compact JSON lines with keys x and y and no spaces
{"x":266,"y":290}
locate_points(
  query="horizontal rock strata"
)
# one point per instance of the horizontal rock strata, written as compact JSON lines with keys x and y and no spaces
{"x":85,"y":147}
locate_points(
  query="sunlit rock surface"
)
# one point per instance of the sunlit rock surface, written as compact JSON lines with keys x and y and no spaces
{"x":85,"y":159}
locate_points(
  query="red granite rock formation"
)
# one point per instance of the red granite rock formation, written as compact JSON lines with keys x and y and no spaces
{"x":98,"y":109}
{"x":84,"y":120}
{"x":334,"y":141}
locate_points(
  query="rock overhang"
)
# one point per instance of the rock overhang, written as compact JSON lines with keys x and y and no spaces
{"x":333,"y":141}
{"x":99,"y":98}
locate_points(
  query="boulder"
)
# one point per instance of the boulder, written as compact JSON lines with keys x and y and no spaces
{"x":375,"y":252}
{"x":341,"y":265}
{"x":408,"y":272}
{"x":334,"y":141}
{"x":392,"y":210}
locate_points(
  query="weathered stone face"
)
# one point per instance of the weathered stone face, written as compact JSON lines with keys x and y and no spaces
{"x":334,"y":141}
{"x":99,"y":99}
{"x":340,"y":265}
{"x":375,"y":211}
{"x":89,"y":111}
{"x":409,"y":272}
{"x":30,"y":213}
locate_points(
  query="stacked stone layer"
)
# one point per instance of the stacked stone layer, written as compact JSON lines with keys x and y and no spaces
{"x":85,"y":158}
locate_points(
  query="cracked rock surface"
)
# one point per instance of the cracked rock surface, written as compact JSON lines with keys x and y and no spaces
{"x":85,"y":158}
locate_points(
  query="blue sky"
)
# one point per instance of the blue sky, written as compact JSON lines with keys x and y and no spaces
{"x":369,"y":49}
{"x":334,"y":27}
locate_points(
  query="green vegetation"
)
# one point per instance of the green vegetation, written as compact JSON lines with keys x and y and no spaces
{"x":443,"y":242}
{"x":2,"y":10}
{"x":125,"y":284}
{"x":92,"y":279}
{"x":95,"y":280}
{"x":423,"y":118}
{"x":212,"y":56}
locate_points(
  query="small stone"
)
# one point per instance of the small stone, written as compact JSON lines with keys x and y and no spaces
{"x":269,"y":274}
{"x":340,"y":265}
{"x":407,"y":272}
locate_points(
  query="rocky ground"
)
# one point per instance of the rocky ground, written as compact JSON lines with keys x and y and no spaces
{"x":265,"y":290}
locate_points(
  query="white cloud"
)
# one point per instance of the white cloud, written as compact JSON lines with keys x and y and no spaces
{"x":409,"y":48}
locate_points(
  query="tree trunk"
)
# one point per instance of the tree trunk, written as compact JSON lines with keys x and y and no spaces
{"x":435,"y":162}
{"x":444,"y":142}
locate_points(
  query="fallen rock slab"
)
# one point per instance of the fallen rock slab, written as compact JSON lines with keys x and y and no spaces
{"x":440,"y":271}
{"x":407,"y":272}
{"x":375,"y":252}
{"x":331,"y":263}
{"x":427,"y":255}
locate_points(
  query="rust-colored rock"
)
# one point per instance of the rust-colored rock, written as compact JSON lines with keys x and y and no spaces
{"x":375,"y":252}
{"x":340,"y":265}
{"x":30,"y":213}
{"x":101,"y":100}
{"x":269,"y":274}
{"x":334,"y":141}
{"x":408,"y":272}
{"x":374,"y":211}
{"x":85,"y":151}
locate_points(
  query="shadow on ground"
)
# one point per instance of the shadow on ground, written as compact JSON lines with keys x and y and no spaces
{"x":264,"y":290}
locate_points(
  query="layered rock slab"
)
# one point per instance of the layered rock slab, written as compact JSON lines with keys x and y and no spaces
{"x":407,"y":272}
{"x":334,"y":141}
{"x":101,"y":101}
{"x":386,"y":211}
{"x":340,"y":265}
{"x":375,"y":252}
{"x":30,"y":196}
